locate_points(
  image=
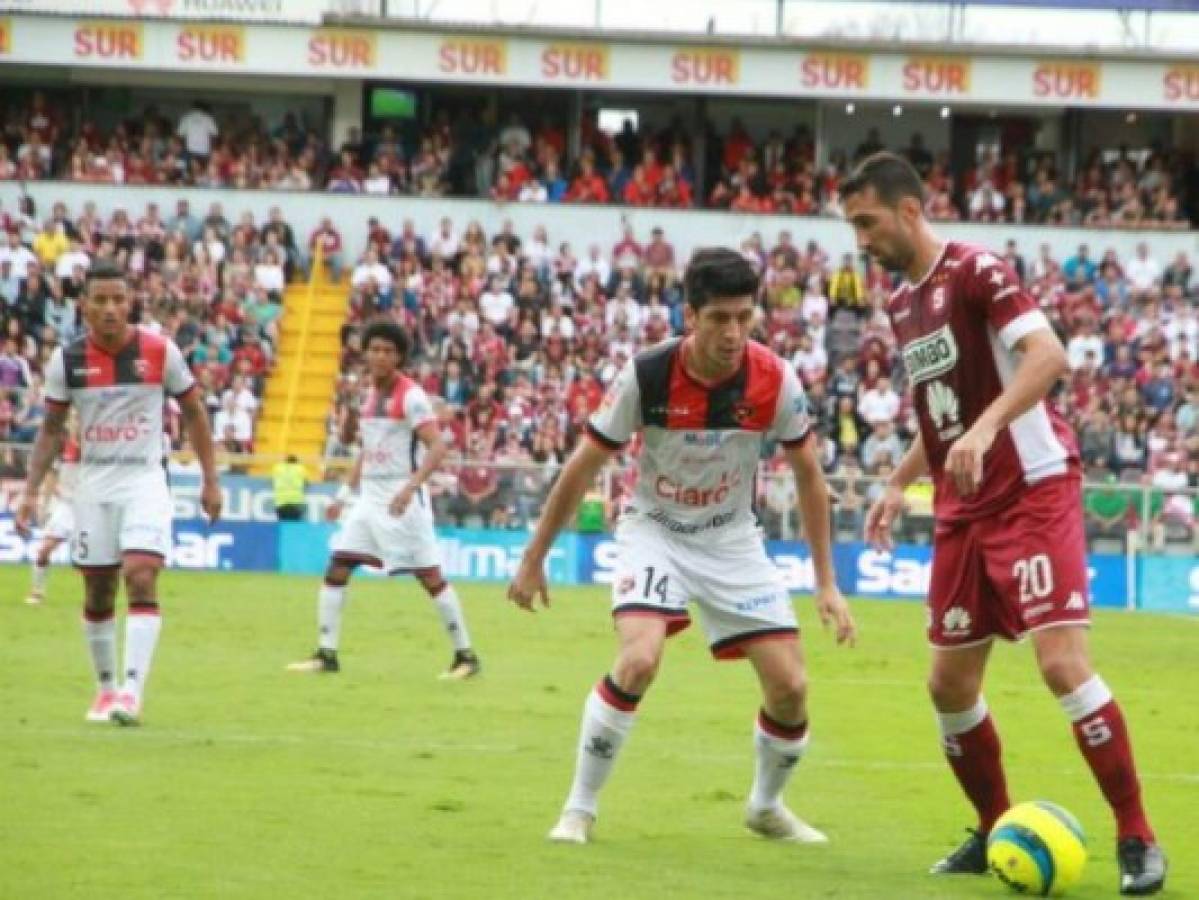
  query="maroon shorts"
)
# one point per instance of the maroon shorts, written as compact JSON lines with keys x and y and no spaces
{"x":1020,"y":570}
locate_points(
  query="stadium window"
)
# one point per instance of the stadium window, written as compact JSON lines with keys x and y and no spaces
{"x":612,"y":120}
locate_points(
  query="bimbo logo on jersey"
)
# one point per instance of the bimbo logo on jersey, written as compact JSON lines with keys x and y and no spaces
{"x":932,"y":355}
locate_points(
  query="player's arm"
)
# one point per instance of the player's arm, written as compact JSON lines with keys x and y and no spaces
{"x":46,"y":449}
{"x":1042,"y":362}
{"x":886,"y":509}
{"x":814,"y":509}
{"x":346,"y":492}
{"x":435,"y":451}
{"x":348,"y":432}
{"x":576,"y":477}
{"x":195,"y":423}
{"x":1024,"y":331}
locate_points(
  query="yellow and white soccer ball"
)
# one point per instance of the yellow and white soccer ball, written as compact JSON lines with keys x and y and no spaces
{"x":1037,"y":848}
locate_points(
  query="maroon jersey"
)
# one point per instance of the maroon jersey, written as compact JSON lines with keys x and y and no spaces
{"x":957,"y":329}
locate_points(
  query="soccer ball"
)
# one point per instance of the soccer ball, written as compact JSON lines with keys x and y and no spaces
{"x":1037,"y":848}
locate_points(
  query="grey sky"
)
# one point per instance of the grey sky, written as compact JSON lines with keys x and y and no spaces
{"x":833,"y":18}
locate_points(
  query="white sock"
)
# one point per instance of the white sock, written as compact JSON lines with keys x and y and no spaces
{"x":604,"y":730}
{"x":39,"y":578}
{"x":102,"y":644}
{"x":775,"y":757}
{"x":450,"y":611}
{"x":329,"y":603}
{"x":141,"y":637}
{"x":1088,"y":698}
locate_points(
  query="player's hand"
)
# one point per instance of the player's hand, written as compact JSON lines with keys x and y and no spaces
{"x":400,"y":501}
{"x":529,"y":584}
{"x":26,"y":515}
{"x":882,"y":516}
{"x":333,"y":513}
{"x":211,"y":500}
{"x":964,"y":462}
{"x":834,"y":611}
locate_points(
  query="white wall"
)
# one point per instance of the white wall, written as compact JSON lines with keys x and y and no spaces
{"x":579,"y":225}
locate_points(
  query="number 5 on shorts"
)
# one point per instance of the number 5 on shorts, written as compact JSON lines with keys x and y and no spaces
{"x":81,"y":545}
{"x":658,"y":587}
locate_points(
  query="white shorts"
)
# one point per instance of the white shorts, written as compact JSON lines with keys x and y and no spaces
{"x":61,"y":524}
{"x":105,"y":531}
{"x":739,"y":591}
{"x":370,"y":534}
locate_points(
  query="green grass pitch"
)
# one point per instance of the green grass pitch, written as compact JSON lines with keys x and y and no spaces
{"x":249,"y":781}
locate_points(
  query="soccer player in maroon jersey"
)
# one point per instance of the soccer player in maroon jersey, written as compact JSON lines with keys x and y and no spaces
{"x":704,"y":405}
{"x":118,"y":377}
{"x":1009,"y":556}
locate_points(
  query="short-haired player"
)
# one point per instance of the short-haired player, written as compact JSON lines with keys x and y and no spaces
{"x":1009,"y":550}
{"x":118,"y":377}
{"x":704,"y":405}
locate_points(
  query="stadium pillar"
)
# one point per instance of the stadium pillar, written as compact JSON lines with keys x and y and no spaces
{"x":347,"y":109}
{"x":574,"y":133}
{"x":699,"y":151}
{"x":820,"y":139}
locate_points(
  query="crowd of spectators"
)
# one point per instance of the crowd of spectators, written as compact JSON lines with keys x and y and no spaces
{"x":213,"y":285}
{"x":520,"y":336}
{"x":527,"y":159}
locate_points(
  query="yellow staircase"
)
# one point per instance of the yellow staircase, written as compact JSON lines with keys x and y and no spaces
{"x":299,"y":391}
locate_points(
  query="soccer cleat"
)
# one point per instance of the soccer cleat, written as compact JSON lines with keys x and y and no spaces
{"x":574,"y":827}
{"x":126,"y":710}
{"x":464,"y":665}
{"x":321,"y":661}
{"x":968,"y":859}
{"x":778,"y":823}
{"x":34,"y":599}
{"x":101,"y":708}
{"x":1142,"y":867}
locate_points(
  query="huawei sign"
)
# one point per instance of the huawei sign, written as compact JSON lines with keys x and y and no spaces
{"x":233,"y":9}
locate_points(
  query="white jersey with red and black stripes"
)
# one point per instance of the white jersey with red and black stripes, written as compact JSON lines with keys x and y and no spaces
{"x":120,"y":399}
{"x":389,"y":420}
{"x":701,"y":443}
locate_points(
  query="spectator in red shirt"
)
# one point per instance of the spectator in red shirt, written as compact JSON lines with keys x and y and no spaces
{"x":588,"y":186}
{"x":639,"y":191}
{"x":329,"y":239}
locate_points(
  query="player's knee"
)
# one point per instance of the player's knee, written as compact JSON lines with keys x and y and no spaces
{"x":952,"y":694}
{"x":1064,"y":672}
{"x":786,"y":698}
{"x":637,"y":666}
{"x":141,"y":581}
{"x":337,"y":574}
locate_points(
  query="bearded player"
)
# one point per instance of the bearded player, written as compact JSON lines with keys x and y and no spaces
{"x":1009,"y":555}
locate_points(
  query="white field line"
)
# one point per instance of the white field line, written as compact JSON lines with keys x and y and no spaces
{"x":180,"y":738}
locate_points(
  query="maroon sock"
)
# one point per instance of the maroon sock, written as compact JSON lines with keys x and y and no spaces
{"x":1103,"y":739}
{"x":975,"y":755}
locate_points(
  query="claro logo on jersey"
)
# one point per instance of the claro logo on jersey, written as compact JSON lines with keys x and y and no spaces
{"x":130,"y":429}
{"x":688,"y":495}
{"x":930,"y":356}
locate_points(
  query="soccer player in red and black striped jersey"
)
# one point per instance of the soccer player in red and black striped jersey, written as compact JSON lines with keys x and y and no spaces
{"x":1009,"y":554}
{"x":704,"y":405}
{"x":118,"y":377}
